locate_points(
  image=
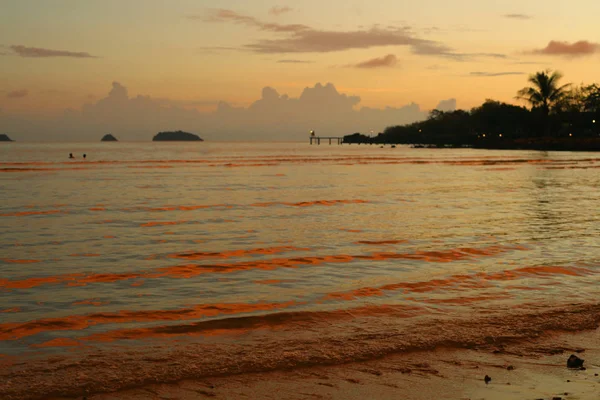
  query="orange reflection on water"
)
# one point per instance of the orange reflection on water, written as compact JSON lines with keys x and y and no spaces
{"x":31,"y":282}
{"x":467,"y":300}
{"x":161,"y":223}
{"x":381,"y":242}
{"x":11,"y":310}
{"x":542,"y":270}
{"x":59,"y":342}
{"x":185,"y":208}
{"x":91,"y":302}
{"x":19,"y":330}
{"x":243,"y":324}
{"x":269,"y":282}
{"x":458,"y":282}
{"x":26,"y":213}
{"x":14,"y":261}
{"x":191,"y":270}
{"x":236,"y":253}
{"x":309,"y":203}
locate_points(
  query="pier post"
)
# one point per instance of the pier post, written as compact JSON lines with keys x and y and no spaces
{"x":317,"y":139}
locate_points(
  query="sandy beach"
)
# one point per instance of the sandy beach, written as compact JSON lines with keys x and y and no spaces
{"x":533,"y":369}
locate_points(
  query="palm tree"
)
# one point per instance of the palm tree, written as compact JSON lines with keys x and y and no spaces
{"x":544,"y":93}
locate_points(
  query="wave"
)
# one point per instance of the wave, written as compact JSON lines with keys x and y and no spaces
{"x":276,"y":341}
{"x":187,"y":271}
{"x":266,"y":161}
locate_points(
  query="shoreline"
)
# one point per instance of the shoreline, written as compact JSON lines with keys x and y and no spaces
{"x":532,"y":369}
{"x":291,"y":349}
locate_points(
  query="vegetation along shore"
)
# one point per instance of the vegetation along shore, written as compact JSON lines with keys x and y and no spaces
{"x":559,"y":117}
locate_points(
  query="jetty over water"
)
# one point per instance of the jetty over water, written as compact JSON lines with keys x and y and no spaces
{"x":317,"y":139}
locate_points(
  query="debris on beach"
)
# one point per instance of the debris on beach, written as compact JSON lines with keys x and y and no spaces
{"x":574,"y":362}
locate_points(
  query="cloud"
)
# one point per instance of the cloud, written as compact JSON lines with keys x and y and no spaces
{"x":492,"y":74}
{"x":518,"y":16}
{"x":277,"y":10}
{"x":318,"y":41}
{"x":386,"y":61}
{"x":300,"y":38}
{"x":291,"y":61}
{"x":37,"y":52}
{"x":446,"y":105}
{"x":223,"y":15}
{"x":437,"y":49}
{"x":273,"y":116}
{"x":17,"y":94}
{"x":576,"y":49}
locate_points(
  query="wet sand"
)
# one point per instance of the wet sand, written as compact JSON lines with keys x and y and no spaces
{"x":533,"y":369}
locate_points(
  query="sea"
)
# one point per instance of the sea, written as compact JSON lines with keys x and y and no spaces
{"x":157,"y":262}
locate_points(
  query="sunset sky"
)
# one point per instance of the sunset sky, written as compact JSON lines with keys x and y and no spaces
{"x":193,"y":54}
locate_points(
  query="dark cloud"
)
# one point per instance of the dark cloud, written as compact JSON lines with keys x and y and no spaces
{"x":280,"y":10}
{"x":291,"y":61}
{"x":37,"y":52}
{"x":576,"y":49}
{"x":386,"y":61}
{"x":17,"y":94}
{"x":518,"y":16}
{"x":492,"y":74}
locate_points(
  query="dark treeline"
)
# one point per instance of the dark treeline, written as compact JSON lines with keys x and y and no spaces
{"x":559,"y":117}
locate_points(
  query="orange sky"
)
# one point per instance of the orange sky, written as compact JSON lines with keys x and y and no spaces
{"x":193,"y":54}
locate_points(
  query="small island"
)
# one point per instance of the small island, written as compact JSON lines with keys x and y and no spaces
{"x":177,"y":136}
{"x":108,"y":138}
{"x":5,"y":138}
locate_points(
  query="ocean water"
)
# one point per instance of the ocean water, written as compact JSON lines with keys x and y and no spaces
{"x":155,"y":262}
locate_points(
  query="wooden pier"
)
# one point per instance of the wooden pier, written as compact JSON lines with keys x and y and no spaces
{"x":317,"y":139}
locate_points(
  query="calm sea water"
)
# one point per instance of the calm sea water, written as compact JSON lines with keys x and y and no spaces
{"x":162,"y":261}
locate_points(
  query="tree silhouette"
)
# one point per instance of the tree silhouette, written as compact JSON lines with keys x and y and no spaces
{"x":545,"y":92}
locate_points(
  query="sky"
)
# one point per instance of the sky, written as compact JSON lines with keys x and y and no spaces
{"x":273,"y":70}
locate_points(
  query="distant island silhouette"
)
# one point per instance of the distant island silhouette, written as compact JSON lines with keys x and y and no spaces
{"x":108,"y":138}
{"x":5,"y":138}
{"x":178,"y":136}
{"x":561,"y":117}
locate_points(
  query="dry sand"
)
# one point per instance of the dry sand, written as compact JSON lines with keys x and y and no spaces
{"x":527,"y":370}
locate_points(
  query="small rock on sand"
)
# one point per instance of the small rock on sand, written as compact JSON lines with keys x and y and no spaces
{"x":574,"y":362}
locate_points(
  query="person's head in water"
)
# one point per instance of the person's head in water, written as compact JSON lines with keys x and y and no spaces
{"x":71,"y":155}
{"x":84,"y":156}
